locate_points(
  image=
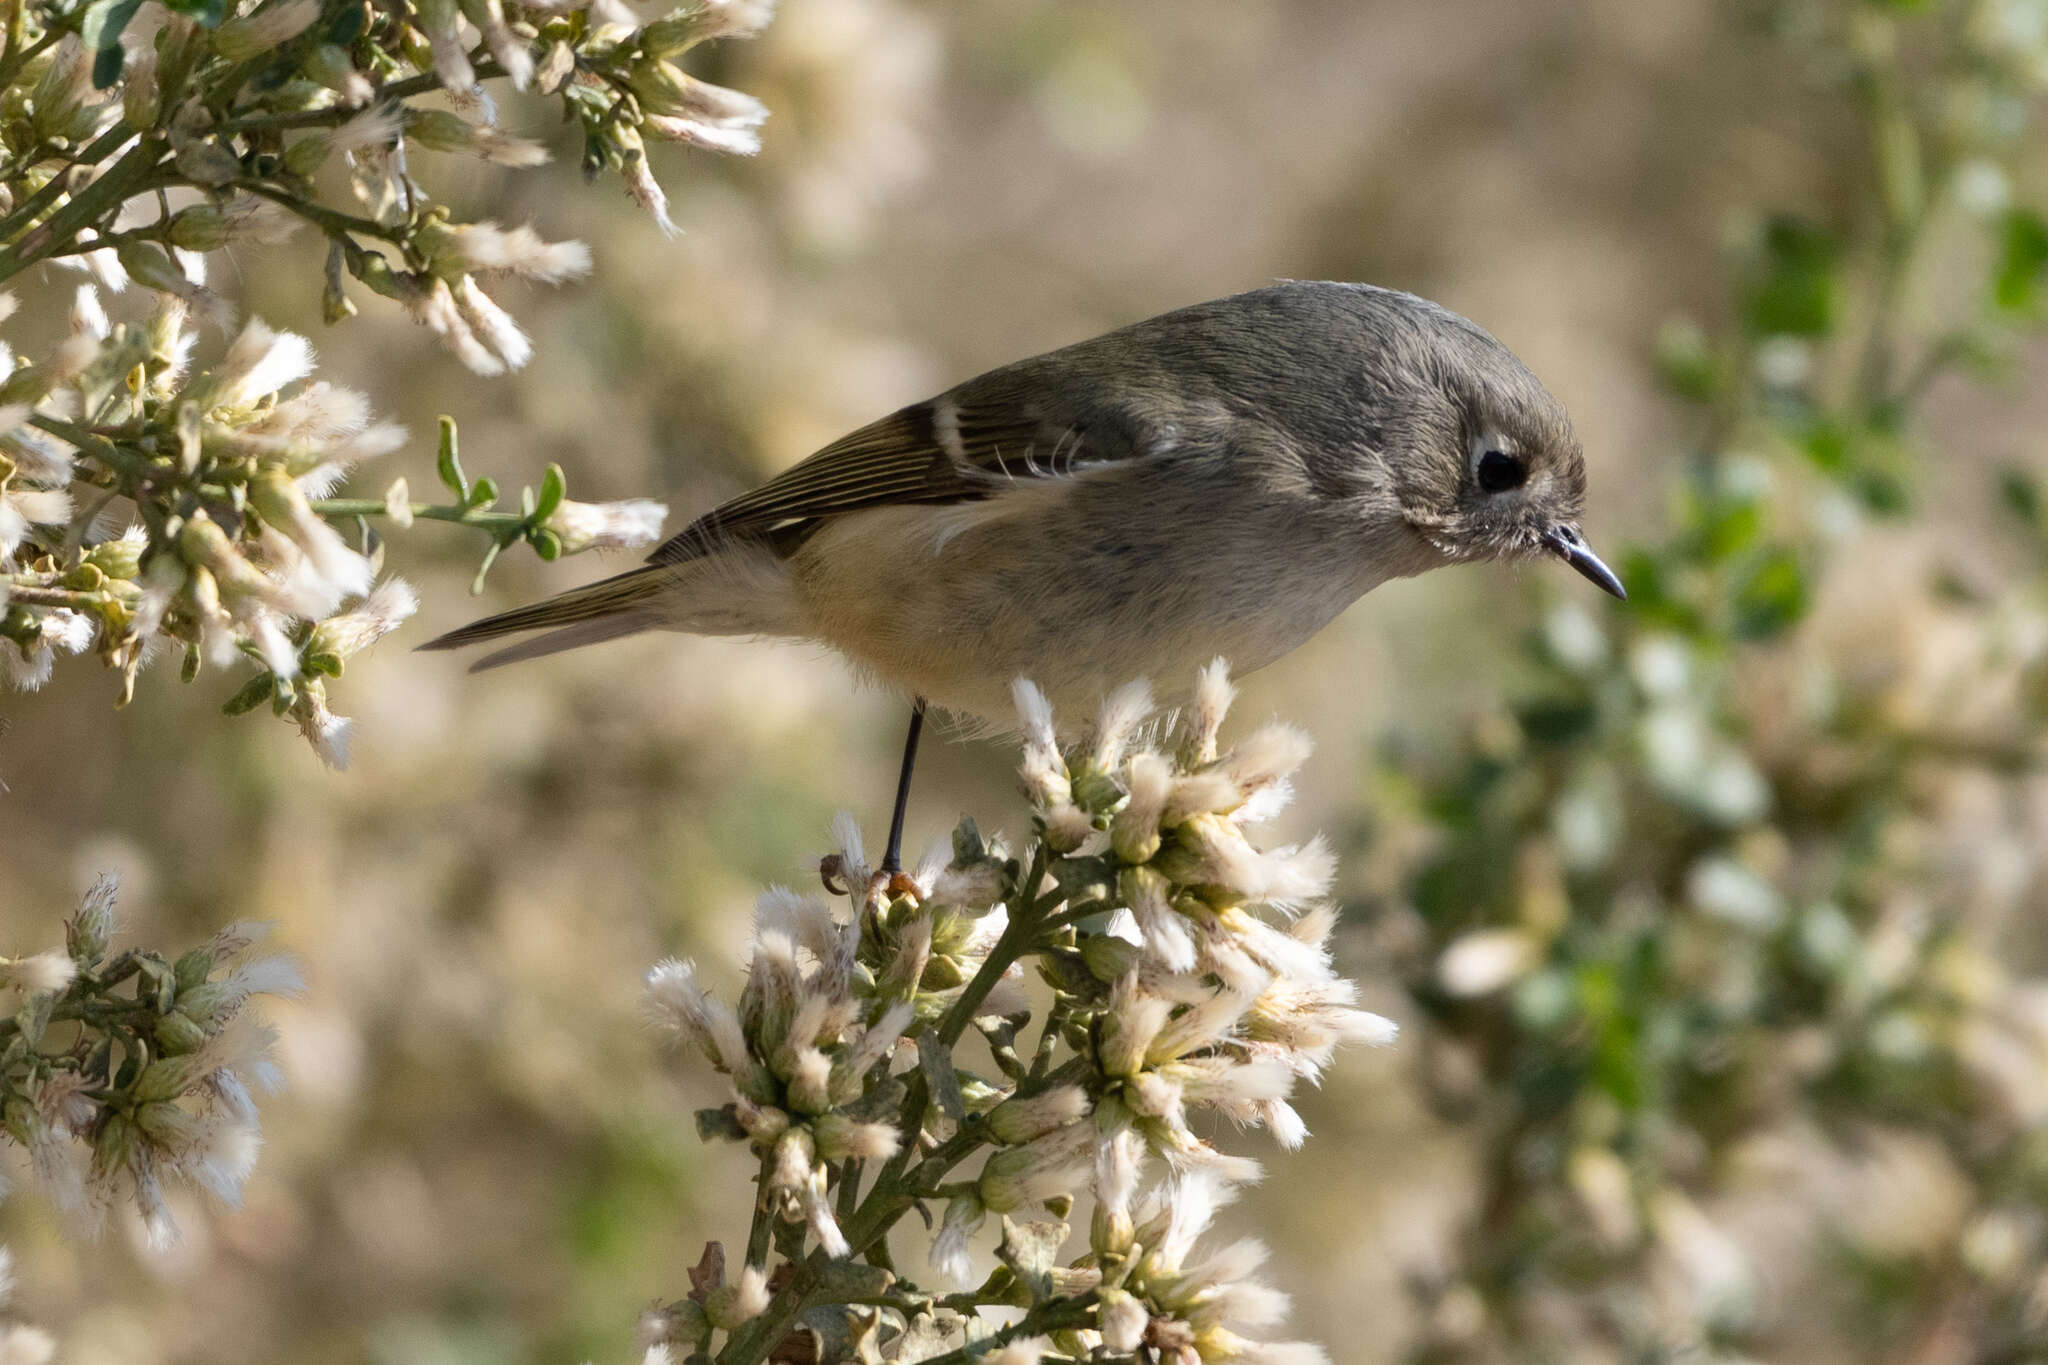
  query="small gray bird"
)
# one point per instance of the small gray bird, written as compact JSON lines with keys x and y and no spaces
{"x":1219,"y":480}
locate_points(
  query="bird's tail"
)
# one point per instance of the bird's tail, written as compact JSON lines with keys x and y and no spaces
{"x":604,"y":610}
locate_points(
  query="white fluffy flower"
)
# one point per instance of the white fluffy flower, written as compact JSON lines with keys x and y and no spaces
{"x":626,"y":525}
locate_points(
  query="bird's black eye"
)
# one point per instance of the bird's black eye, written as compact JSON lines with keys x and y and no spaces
{"x":1500,"y":471}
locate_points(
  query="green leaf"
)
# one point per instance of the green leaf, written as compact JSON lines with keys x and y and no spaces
{"x":1884,"y":491}
{"x":101,"y":34}
{"x":552,"y":490}
{"x":1797,"y":295}
{"x":1727,"y":528}
{"x":348,"y":24}
{"x":2021,"y":492}
{"x":1828,"y":446}
{"x":253,"y":694}
{"x":106,"y":67}
{"x":1771,"y":596}
{"x":483,"y":492}
{"x":449,"y":464}
{"x":2023,"y":252}
{"x":1687,"y":361}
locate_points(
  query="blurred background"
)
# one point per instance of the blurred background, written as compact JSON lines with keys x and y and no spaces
{"x":482,"y":1156}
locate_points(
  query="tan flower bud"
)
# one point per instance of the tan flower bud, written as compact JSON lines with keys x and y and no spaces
{"x":203,"y":227}
{"x":205,"y":546}
{"x":440,"y":129}
{"x":254,"y":35}
{"x":120,"y":558}
{"x":178,"y":1034}
{"x":1017,"y":1121}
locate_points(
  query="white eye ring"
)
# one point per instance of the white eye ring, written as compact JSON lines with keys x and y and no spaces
{"x":1488,"y":441}
{"x":1496,"y":465}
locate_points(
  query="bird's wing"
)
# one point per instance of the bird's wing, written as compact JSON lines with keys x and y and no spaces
{"x":955,"y":448}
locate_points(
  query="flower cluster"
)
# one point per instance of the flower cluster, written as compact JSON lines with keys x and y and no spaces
{"x":800,"y":1050}
{"x":125,"y":1070}
{"x":146,"y":508}
{"x":1185,"y":969}
{"x":137,"y":138}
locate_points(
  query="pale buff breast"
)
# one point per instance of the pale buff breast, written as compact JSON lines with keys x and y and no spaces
{"x":1080,"y":588}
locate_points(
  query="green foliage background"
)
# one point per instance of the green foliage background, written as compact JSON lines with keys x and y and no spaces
{"x":1755,"y":857}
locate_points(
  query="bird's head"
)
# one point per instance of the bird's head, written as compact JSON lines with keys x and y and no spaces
{"x":1491,"y":468}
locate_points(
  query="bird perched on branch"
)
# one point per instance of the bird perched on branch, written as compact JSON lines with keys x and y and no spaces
{"x":1219,"y":480}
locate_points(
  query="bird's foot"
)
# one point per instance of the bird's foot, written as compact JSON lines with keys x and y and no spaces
{"x":888,"y":884}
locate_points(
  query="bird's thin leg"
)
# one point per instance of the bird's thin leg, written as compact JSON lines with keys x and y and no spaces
{"x":892,"y":860}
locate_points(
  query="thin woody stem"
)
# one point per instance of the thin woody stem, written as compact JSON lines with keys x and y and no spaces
{"x":125,"y":178}
{"x":96,"y":151}
{"x":461,"y":516}
{"x":1055,"y":1315}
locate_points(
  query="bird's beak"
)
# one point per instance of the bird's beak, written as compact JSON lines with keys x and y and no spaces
{"x":1567,"y":544}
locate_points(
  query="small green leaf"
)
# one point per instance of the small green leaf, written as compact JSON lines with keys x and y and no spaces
{"x":552,"y":489}
{"x":483,"y":493}
{"x":545,"y":543}
{"x":348,"y":24}
{"x":1771,"y":597}
{"x":106,"y":67}
{"x":1797,"y":294}
{"x":1828,"y":446}
{"x":2023,"y":252}
{"x":449,"y":463}
{"x":1884,"y":492}
{"x":1728,"y":528}
{"x":2021,"y":492}
{"x":101,"y":33}
{"x":1687,"y":360}
{"x":252,"y":695}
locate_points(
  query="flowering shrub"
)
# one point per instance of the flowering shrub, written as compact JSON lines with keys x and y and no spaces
{"x":1181,"y":970}
{"x":147,"y":509}
{"x":205,"y":527}
{"x":115,"y":107}
{"x":1714,"y":921}
{"x":120,"y":1071}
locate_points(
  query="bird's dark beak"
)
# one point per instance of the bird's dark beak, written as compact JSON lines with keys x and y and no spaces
{"x":1567,"y":544}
